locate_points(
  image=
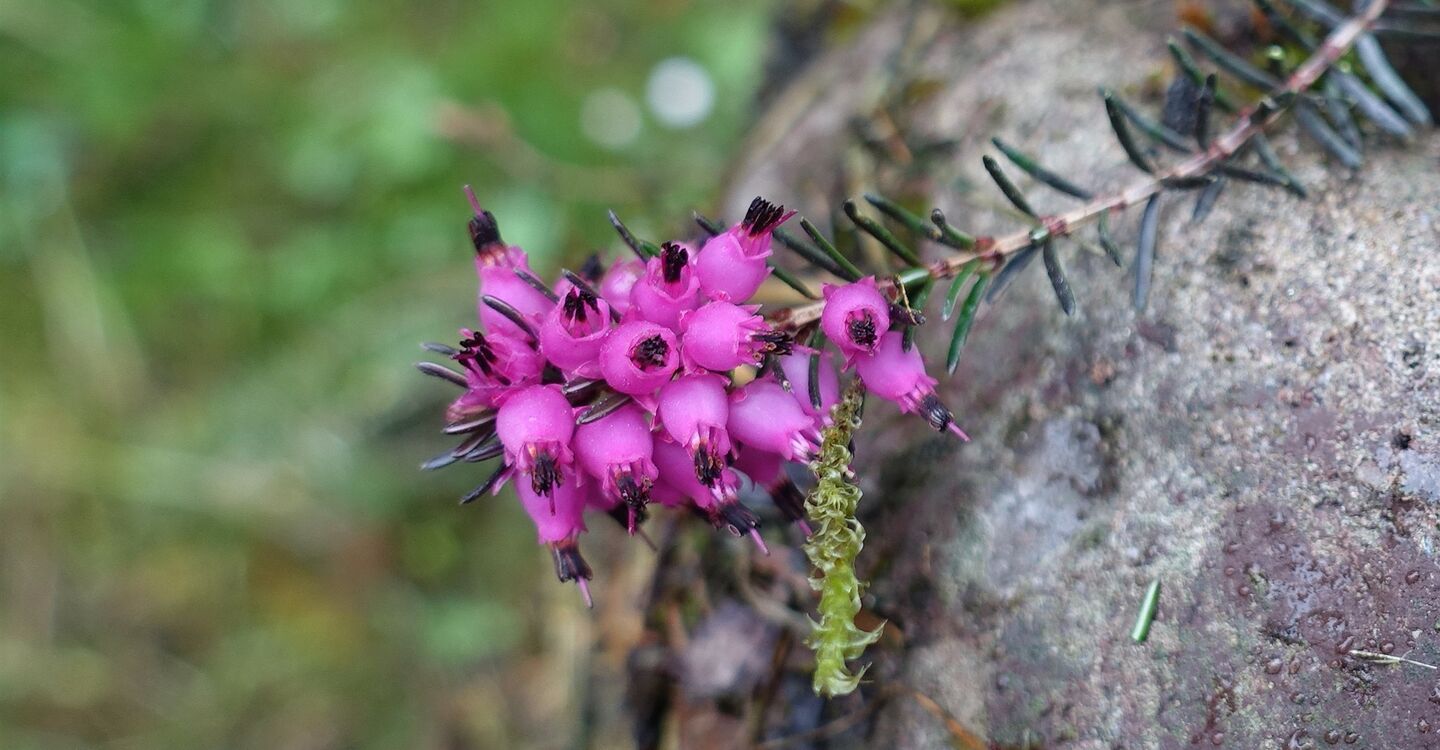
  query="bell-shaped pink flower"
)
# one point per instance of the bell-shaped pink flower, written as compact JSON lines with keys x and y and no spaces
{"x":535,"y":425}
{"x":616,"y":450}
{"x":796,"y":367}
{"x":500,"y":282}
{"x":693,"y":410}
{"x":559,"y":521}
{"x":856,"y":315}
{"x":618,"y":282}
{"x":573,"y":332}
{"x":764,"y":416}
{"x":494,"y":366}
{"x":718,"y":503}
{"x":721,"y":336}
{"x":732,"y":264}
{"x":898,"y":375}
{"x":668,"y":288}
{"x":766,"y":471}
{"x":639,"y":357}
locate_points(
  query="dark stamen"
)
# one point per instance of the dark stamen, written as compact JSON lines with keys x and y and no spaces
{"x":635,"y":494}
{"x":708,"y":465}
{"x":862,"y":330}
{"x":593,"y":269}
{"x":736,"y":517}
{"x":673,"y":258}
{"x":545,"y":477}
{"x":762,"y":216}
{"x":936,"y":413}
{"x":477,"y":354}
{"x":778,"y":343}
{"x":569,"y":565}
{"x":651,"y":352}
{"x":789,"y":500}
{"x":576,"y":302}
{"x":484,"y":232}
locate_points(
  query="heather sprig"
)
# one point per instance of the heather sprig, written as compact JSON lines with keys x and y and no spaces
{"x":659,"y":381}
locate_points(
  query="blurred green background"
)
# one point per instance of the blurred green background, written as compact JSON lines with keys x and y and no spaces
{"x":224,"y":227}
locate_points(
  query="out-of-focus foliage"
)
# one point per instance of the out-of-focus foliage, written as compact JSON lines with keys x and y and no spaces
{"x":223,"y":228}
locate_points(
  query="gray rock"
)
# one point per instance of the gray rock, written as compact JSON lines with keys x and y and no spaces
{"x":1262,"y":439}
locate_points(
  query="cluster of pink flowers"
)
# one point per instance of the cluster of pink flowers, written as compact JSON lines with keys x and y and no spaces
{"x":663,"y":337}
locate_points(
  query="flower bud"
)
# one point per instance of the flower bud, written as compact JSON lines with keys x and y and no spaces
{"x":668,"y":288}
{"x":898,"y":375}
{"x":618,"y":283}
{"x":693,"y":410}
{"x":494,"y":366}
{"x":855,"y":316}
{"x":732,"y":264}
{"x":796,"y":367}
{"x":573,"y":332}
{"x":616,"y":450}
{"x":764,"y":416}
{"x":721,"y":336}
{"x":535,"y":425}
{"x":639,"y":357}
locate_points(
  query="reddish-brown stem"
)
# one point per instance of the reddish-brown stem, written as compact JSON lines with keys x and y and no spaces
{"x":1252,"y":120}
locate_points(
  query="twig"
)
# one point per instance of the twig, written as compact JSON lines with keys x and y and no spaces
{"x":1251,"y":121}
{"x":1388,"y":659}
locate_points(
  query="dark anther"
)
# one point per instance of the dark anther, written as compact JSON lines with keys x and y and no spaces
{"x":650,"y":352}
{"x":762,"y":216}
{"x":569,"y":565}
{"x":862,"y":330}
{"x":635,"y":494}
{"x":576,"y":302}
{"x":673,"y":258}
{"x":593,"y":269}
{"x":545,"y":477}
{"x":736,"y":517}
{"x":778,"y":343}
{"x":476,"y":353}
{"x":935,"y":412}
{"x":708,"y":465}
{"x":485,"y":233}
{"x":789,"y":499}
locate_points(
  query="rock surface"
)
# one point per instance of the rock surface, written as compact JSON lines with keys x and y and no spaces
{"x":1263,"y":439}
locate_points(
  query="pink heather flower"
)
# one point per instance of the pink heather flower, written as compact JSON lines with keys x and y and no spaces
{"x":796,"y":367}
{"x":573,"y":332}
{"x":618,"y":282}
{"x":764,"y":416}
{"x":668,"y":288}
{"x":693,"y":410}
{"x":718,"y":504}
{"x":494,"y":366}
{"x":535,"y":425}
{"x":616,"y":450}
{"x":855,"y":316}
{"x":732,"y":264}
{"x":897,"y":375}
{"x":500,"y":282}
{"x":721,"y":336}
{"x":766,"y":471}
{"x":559,"y":521}
{"x":639,"y":357}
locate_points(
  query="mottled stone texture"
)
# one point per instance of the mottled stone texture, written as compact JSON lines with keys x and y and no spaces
{"x":1263,"y":439}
